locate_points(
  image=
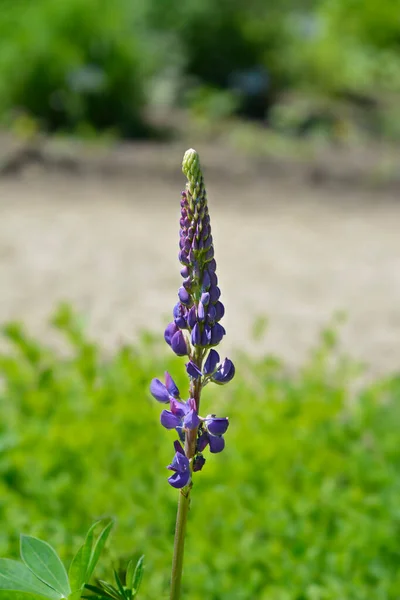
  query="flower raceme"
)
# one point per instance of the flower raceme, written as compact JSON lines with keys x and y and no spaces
{"x":194,"y":332}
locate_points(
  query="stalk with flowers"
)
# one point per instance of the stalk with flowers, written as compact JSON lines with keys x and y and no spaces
{"x":194,"y":333}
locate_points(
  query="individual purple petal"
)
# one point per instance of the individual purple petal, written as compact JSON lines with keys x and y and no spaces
{"x":217,"y":444}
{"x":181,"y":322}
{"x":183,"y":258}
{"x":178,"y":447}
{"x":178,"y":344}
{"x":213,"y":279}
{"x":225,"y":373}
{"x":184,"y":296}
{"x":176,"y":311}
{"x":159,"y":391}
{"x":209,"y":255}
{"x":212,"y":265}
{"x":205,"y":298}
{"x":180,"y":314}
{"x":206,"y":336}
{"x":171,"y":385}
{"x":202,"y":442}
{"x":220,"y":310}
{"x":193,"y":370}
{"x":191,"y":317}
{"x":212,"y":313}
{"x":201,"y":313}
{"x":179,"y":480}
{"x":170,"y":331}
{"x":185,"y":272}
{"x":196,"y":335}
{"x":211,"y":362}
{"x":205,"y":284}
{"x":191,"y":420}
{"x":198,"y":462}
{"x":208,"y":242}
{"x":187,"y":284}
{"x":180,"y":409}
{"x":217,"y":425}
{"x":215,"y":293}
{"x":217,"y":333}
{"x":168,"y":420}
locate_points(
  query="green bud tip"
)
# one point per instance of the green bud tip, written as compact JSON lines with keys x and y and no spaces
{"x":191,"y":166}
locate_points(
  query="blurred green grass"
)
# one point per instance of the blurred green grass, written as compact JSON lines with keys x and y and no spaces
{"x":302,"y":505}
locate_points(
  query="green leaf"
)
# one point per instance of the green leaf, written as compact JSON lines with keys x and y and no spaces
{"x":130,"y":571}
{"x":98,"y":548}
{"x":43,"y":561}
{"x":80,"y":563}
{"x":120,"y":586}
{"x":15,"y":576}
{"x":110,"y":589}
{"x":138,"y":576}
{"x":19,"y":595}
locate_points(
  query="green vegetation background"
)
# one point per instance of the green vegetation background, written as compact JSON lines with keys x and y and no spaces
{"x":93,"y":65}
{"x":302,"y":505}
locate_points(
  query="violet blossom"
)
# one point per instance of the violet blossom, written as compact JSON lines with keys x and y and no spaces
{"x":194,"y":332}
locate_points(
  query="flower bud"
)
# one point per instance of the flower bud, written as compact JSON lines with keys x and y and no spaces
{"x":178,"y":344}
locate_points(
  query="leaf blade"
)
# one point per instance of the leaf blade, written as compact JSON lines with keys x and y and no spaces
{"x":98,"y":548}
{"x":44,"y":562}
{"x":138,"y":576}
{"x":19,"y":595}
{"x":80,"y":563}
{"x":16,"y":576}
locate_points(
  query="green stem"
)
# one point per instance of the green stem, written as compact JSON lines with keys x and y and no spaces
{"x":184,"y":496}
{"x":179,"y":544}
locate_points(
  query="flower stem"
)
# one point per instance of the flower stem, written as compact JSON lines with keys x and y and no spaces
{"x":184,"y":496}
{"x":179,"y":544}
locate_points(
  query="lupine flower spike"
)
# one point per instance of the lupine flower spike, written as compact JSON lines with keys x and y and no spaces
{"x":194,"y":332}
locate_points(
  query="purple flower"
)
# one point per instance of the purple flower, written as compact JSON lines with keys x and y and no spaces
{"x":171,"y":385}
{"x":211,"y":362}
{"x":216,"y":425}
{"x":181,"y":467}
{"x":216,"y":442}
{"x":225,"y":372}
{"x":199,"y":312}
{"x":178,"y":344}
{"x":182,"y":414}
{"x":170,"y":331}
{"x":193,"y":370}
{"x":159,"y":391}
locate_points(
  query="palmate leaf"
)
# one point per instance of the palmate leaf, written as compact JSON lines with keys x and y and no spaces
{"x":44,"y":562}
{"x":17,"y":577}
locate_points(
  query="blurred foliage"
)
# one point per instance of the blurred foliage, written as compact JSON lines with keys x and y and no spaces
{"x":90,"y":64}
{"x":303,"y":504}
{"x":71,"y":63}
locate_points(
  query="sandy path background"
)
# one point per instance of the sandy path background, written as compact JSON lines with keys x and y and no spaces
{"x":292,"y":251}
